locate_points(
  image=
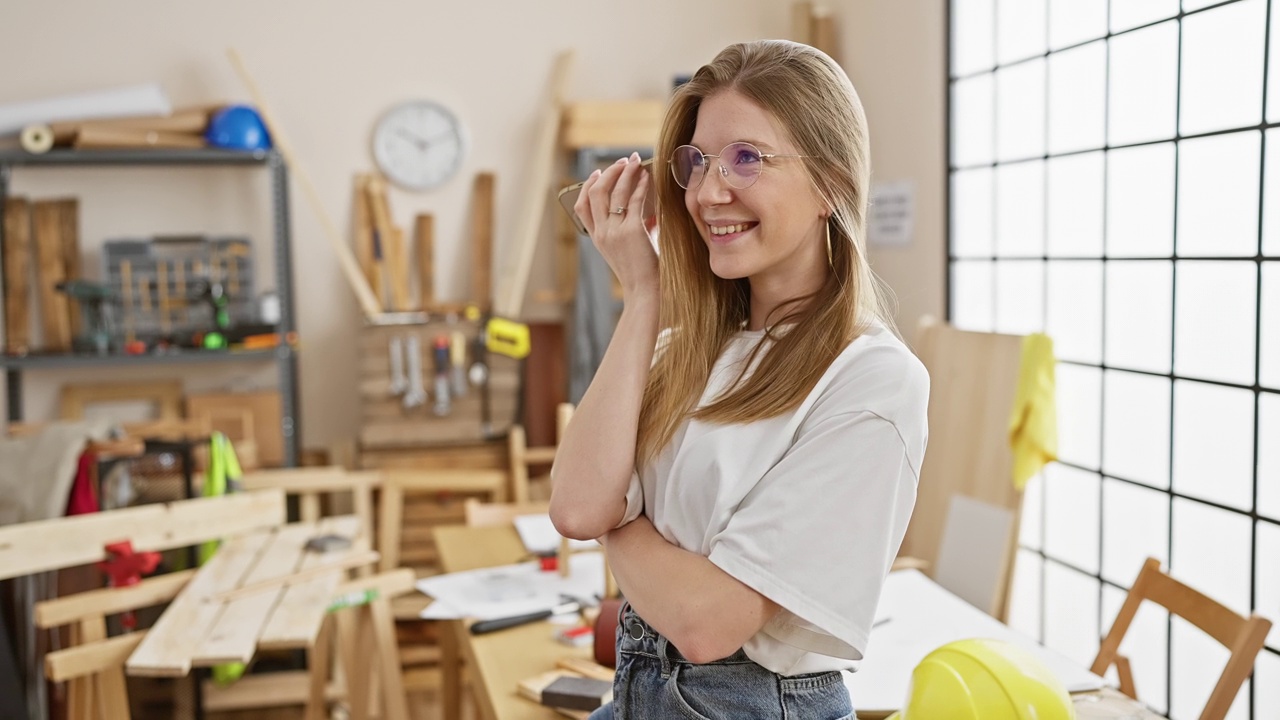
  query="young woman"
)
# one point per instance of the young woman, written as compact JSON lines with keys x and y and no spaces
{"x":752,"y":467}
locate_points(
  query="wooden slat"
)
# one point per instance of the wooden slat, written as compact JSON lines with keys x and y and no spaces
{"x":424,"y":240}
{"x":295,"y":620}
{"x":363,"y":231}
{"x":66,"y":542}
{"x":167,"y":651}
{"x":89,"y":658}
{"x":17,"y":275}
{"x":234,"y":636}
{"x":69,"y":232}
{"x":262,"y":690}
{"x":51,"y":270}
{"x":482,"y":202}
{"x":109,"y":601}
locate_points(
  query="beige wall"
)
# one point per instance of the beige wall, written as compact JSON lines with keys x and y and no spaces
{"x":328,"y":70}
{"x":895,"y":53}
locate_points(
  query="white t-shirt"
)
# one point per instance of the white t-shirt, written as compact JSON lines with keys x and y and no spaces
{"x":808,"y":508}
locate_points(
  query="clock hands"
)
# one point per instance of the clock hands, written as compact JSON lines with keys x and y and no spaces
{"x":423,"y":143}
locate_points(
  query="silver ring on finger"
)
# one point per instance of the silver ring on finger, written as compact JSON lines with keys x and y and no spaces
{"x":620,"y":210}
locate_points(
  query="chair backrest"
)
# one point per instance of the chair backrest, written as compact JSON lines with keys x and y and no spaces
{"x":480,"y":514}
{"x":101,"y":665}
{"x":1242,"y":636}
{"x":310,"y":483}
{"x":522,"y":457}
{"x":975,"y":556}
{"x":973,"y":381}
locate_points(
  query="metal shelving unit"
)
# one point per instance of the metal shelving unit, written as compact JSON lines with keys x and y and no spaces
{"x":285,"y":357}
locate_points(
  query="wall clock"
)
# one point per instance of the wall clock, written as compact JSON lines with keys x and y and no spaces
{"x":419,"y":144}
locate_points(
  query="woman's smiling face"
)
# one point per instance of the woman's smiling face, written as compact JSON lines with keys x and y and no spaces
{"x":772,"y":231}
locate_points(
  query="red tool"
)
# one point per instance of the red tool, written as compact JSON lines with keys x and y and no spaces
{"x":124,"y":567}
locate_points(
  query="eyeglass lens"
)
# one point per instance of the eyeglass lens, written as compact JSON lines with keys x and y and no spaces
{"x":739,"y":165}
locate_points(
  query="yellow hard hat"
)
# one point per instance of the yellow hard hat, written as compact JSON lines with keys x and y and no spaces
{"x":984,"y":680}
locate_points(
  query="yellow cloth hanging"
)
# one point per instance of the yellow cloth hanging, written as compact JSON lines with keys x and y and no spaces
{"x":1033,"y":426}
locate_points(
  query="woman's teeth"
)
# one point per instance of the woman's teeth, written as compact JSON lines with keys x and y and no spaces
{"x":729,"y":229}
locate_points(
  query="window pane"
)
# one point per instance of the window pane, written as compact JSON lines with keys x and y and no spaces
{"x":1020,"y":111}
{"x":1127,"y":14}
{"x":1020,"y":209}
{"x":1077,"y":93}
{"x":1024,"y":603}
{"x":1146,"y":644}
{"x":1271,"y":193}
{"x":1215,"y":329}
{"x":1070,"y":613}
{"x":1218,"y":195}
{"x":1020,"y":29}
{"x":1074,"y":21}
{"x":971,"y":209}
{"x":1266,"y":671}
{"x":1136,"y":426}
{"x":1140,"y":201}
{"x":1208,"y":552}
{"x":1019,"y":296}
{"x":1075,"y":205}
{"x":1143,"y":91}
{"x":972,"y":120}
{"x":1072,"y":516}
{"x":1135,"y":526}
{"x":1079,"y":415}
{"x":1030,"y":528}
{"x":1197,"y":662}
{"x":1139,"y":315}
{"x":1213,"y":443}
{"x":972,"y":292}
{"x":1269,"y":373}
{"x":1222,"y":67}
{"x":1268,"y":579}
{"x":972,"y":39}
{"x":1074,"y":318}
{"x":1269,"y":456}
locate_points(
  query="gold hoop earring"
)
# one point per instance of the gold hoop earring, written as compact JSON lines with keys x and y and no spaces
{"x":829,"y":261}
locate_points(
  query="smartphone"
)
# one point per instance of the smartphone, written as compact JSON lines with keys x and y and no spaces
{"x":569,"y":196}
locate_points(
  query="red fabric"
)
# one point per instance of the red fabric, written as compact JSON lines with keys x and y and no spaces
{"x":84,"y":498}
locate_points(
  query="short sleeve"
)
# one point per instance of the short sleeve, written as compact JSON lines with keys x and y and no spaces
{"x":819,"y":532}
{"x":635,"y":500}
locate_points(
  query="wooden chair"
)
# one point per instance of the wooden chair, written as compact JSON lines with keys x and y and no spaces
{"x":1243,"y":636}
{"x":99,"y":667}
{"x":973,"y":381}
{"x":522,"y":458}
{"x":310,"y":485}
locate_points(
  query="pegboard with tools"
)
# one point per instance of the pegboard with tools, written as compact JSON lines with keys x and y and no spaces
{"x":435,"y":382}
{"x":177,"y":286}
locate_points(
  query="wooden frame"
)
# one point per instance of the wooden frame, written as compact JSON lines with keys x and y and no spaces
{"x":1242,"y":636}
{"x":166,"y":394}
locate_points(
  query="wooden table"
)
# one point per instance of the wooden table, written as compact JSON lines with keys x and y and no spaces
{"x":498,"y":661}
{"x":199,"y":630}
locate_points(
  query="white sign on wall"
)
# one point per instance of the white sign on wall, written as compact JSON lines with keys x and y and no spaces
{"x":893,"y":213}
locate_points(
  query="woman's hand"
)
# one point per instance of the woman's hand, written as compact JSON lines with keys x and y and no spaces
{"x":621,"y":237}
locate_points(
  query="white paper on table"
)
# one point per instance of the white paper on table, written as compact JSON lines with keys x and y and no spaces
{"x":540,"y":536}
{"x":918,"y":617}
{"x":499,"y":592}
{"x":129,"y":101}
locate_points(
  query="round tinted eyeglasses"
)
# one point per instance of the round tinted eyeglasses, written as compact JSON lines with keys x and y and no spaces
{"x":740,"y":164}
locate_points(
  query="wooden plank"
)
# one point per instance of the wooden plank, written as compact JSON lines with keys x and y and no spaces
{"x":17,"y":275}
{"x":165,"y":394}
{"x":66,"y":542}
{"x":168,"y":648}
{"x":324,"y":479}
{"x":109,"y":601}
{"x":612,"y":123}
{"x":262,"y":690}
{"x":515,"y":275}
{"x":824,"y":32}
{"x":89,"y":658}
{"x":482,"y":203}
{"x":389,"y":525}
{"x":802,"y":22}
{"x":386,"y":240}
{"x":362,"y":230}
{"x":424,"y":241}
{"x":394,"y":704}
{"x":50,"y":270}
{"x":347,"y":560}
{"x":97,"y":137}
{"x":69,"y":232}
{"x":296,"y":619}
{"x":234,"y":636}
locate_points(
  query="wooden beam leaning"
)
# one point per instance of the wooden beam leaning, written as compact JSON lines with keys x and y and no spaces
{"x":66,"y":542}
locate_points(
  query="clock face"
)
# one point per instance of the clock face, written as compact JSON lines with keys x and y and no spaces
{"x":418,"y":144}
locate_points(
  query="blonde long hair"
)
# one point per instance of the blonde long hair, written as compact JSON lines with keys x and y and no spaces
{"x":815,"y":103}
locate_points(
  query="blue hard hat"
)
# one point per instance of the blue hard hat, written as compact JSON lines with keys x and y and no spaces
{"x":237,"y":127}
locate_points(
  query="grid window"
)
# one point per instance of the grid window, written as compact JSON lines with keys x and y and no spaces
{"x":1120,"y":177}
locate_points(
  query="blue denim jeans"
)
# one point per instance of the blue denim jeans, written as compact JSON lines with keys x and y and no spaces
{"x":654,"y":682}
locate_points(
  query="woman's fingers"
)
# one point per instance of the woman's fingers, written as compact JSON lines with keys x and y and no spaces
{"x":602,"y":191}
{"x":582,"y":206}
{"x":635,"y":204}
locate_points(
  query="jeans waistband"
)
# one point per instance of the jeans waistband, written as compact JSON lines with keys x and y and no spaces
{"x":637,"y":636}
